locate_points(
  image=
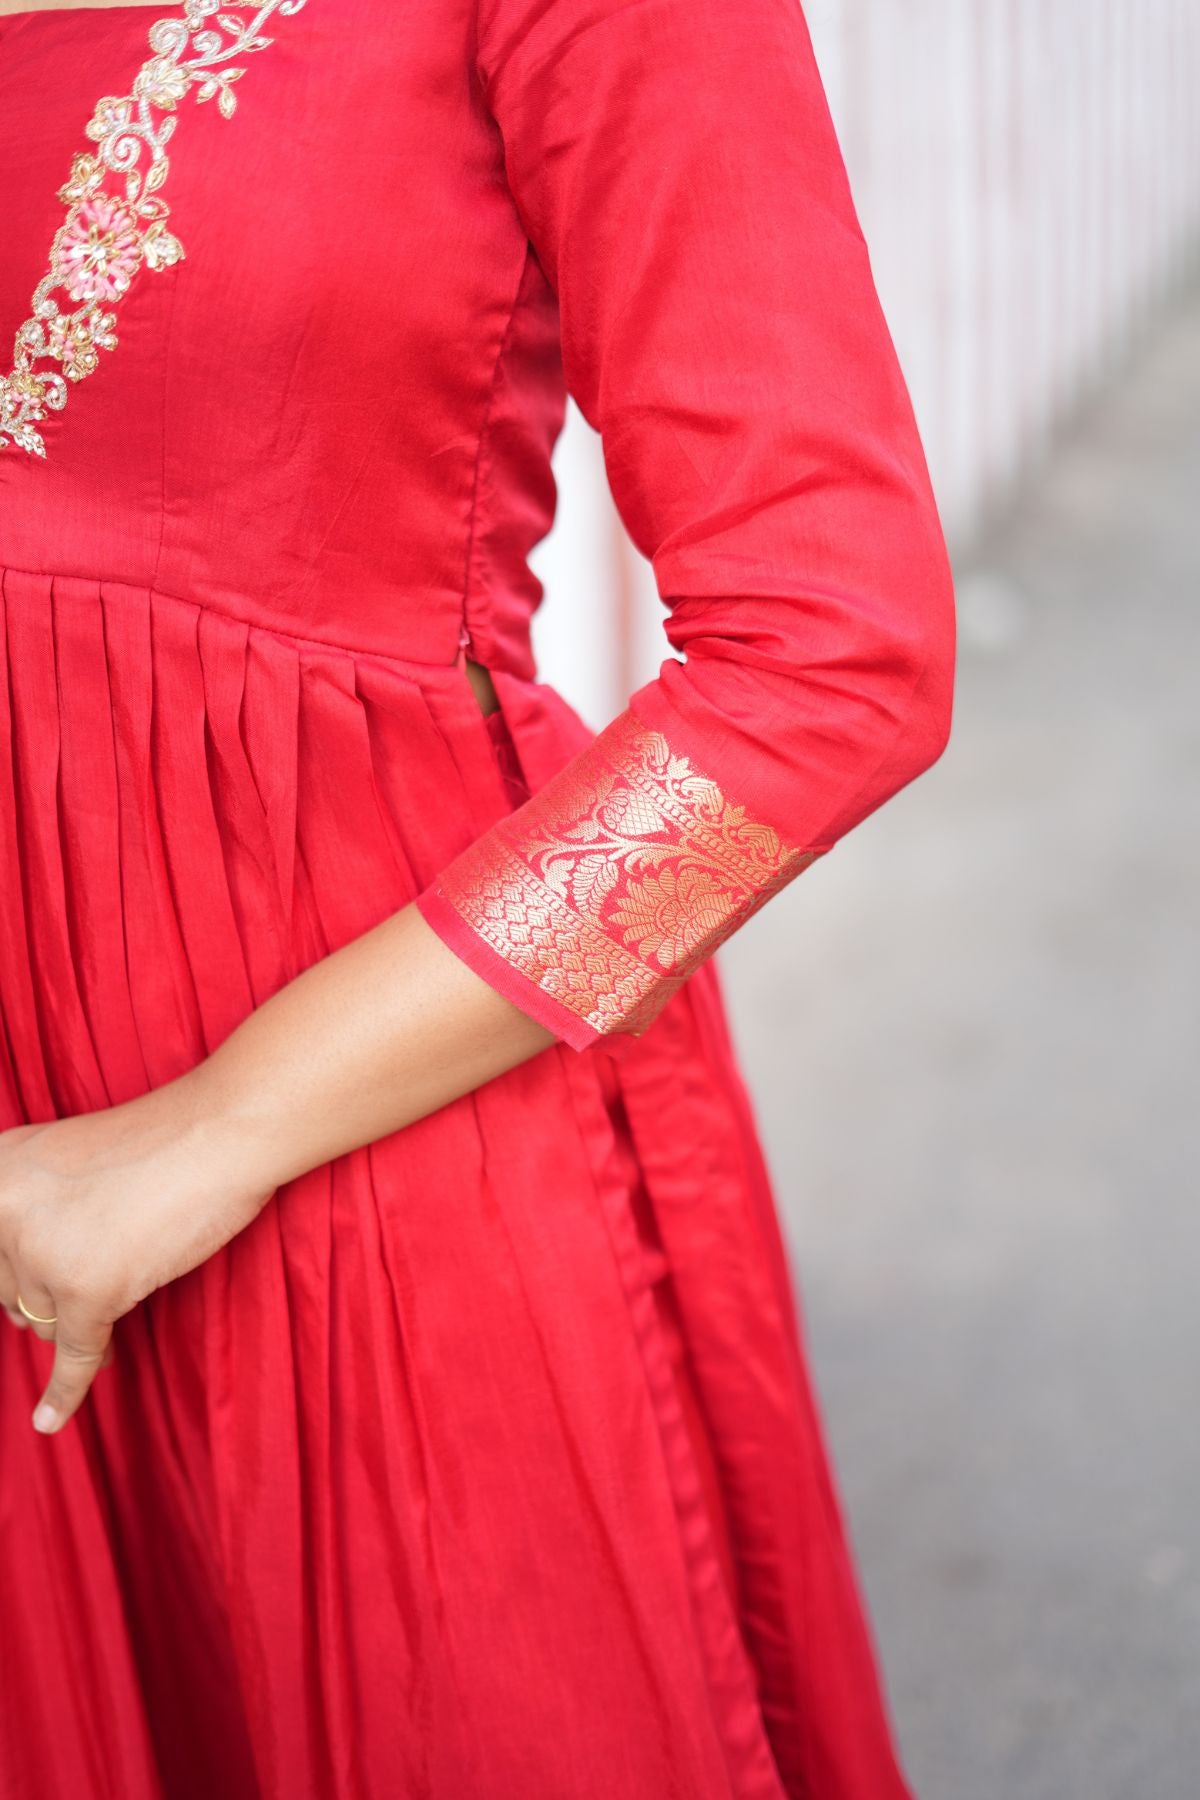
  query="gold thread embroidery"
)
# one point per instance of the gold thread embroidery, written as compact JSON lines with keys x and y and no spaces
{"x":114,"y":225}
{"x":622,"y":878}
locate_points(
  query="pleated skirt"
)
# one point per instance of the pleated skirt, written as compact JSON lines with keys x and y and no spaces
{"x":485,"y":1462}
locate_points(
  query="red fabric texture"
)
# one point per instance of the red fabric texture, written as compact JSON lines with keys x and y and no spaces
{"x":486,"y":1462}
{"x":677,"y":170}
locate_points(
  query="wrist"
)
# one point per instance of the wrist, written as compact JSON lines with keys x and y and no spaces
{"x":227,"y":1130}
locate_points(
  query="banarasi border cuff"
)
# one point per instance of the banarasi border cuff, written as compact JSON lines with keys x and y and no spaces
{"x":609,"y":887}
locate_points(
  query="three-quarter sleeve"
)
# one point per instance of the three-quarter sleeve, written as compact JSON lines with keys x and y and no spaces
{"x":676,"y":168}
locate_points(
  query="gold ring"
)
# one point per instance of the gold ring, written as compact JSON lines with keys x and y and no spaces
{"x":33,"y":1317}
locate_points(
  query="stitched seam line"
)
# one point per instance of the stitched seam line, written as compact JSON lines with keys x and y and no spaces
{"x":162,"y":492}
{"x":484,"y":429}
{"x":109,"y":583}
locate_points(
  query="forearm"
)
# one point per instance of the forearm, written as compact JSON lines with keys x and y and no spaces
{"x":386,"y":1029}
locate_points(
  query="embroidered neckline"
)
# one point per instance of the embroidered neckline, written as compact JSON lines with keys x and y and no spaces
{"x":117,"y":219}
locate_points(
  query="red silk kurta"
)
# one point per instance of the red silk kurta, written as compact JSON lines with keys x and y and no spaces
{"x":485,"y":1462}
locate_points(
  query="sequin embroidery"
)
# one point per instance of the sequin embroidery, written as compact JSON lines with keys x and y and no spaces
{"x":619,"y":878}
{"x":117,"y":219}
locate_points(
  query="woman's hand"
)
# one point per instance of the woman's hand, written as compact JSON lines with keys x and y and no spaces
{"x":99,"y":1210}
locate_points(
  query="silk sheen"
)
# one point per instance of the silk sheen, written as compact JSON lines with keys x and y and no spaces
{"x":486,"y":1462}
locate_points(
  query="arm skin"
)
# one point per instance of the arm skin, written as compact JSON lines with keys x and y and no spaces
{"x":98,"y":1210}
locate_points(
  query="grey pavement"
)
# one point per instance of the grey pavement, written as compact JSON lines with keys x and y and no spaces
{"x":973,"y":1038}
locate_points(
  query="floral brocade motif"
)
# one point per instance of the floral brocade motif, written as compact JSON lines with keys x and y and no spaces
{"x":622,"y":878}
{"x":116,"y":217}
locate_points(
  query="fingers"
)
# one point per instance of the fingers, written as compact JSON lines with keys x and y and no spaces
{"x":8,"y":1294}
{"x":36,"y":1308}
{"x":81,"y":1348}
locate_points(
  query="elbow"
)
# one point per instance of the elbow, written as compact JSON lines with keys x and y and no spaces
{"x":886,"y":667}
{"x":836,"y":696}
{"x":923,"y":674}
{"x":906,"y":692}
{"x":931,"y":710}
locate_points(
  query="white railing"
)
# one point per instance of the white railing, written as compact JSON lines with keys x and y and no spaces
{"x":1027,"y":174}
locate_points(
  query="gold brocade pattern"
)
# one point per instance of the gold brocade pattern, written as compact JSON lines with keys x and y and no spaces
{"x":117,"y":219}
{"x":626,"y":874}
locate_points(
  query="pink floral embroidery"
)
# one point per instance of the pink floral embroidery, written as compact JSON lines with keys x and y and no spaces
{"x":116,"y":218}
{"x":100,"y":249}
{"x":75,"y":343}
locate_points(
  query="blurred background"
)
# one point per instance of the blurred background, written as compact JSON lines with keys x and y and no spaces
{"x":973,"y":1033}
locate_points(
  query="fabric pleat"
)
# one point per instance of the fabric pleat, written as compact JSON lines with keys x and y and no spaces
{"x":506,"y":1405}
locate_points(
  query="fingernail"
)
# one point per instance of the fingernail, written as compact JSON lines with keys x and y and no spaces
{"x":46,"y":1418}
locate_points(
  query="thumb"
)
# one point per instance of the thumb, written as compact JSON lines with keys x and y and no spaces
{"x":80,"y":1347}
